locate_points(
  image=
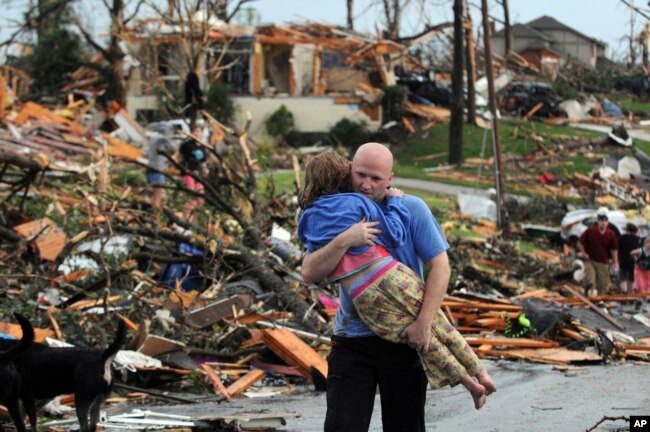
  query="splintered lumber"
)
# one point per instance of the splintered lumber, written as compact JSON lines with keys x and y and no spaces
{"x":295,"y":352}
{"x":518,"y":342}
{"x":629,"y":297}
{"x":87,"y":304}
{"x":534,"y":110}
{"x":481,"y":306}
{"x":17,"y":332}
{"x":536,"y":293}
{"x":593,"y":306}
{"x":637,"y":347}
{"x":240,"y":386}
{"x":216,"y":381}
{"x":210,"y":314}
{"x":572,"y":334}
{"x":155,"y":345}
{"x":561,"y":356}
{"x":49,"y":238}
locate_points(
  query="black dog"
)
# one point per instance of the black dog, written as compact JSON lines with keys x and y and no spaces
{"x":10,"y":381}
{"x":49,"y":372}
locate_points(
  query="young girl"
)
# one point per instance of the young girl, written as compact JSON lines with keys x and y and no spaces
{"x":642,"y":267}
{"x":387,"y":295}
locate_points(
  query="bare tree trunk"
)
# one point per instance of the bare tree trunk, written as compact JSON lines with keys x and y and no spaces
{"x":393,"y":13}
{"x":632,"y":58}
{"x":113,"y":53}
{"x":470,"y":64}
{"x":644,"y":45}
{"x":508,"y":34}
{"x":456,"y":124}
{"x":350,"y":14}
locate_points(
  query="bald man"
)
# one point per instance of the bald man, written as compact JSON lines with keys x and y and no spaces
{"x":359,"y":360}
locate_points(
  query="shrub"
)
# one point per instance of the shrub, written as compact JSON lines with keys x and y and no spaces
{"x":280,"y":123}
{"x":350,"y":133}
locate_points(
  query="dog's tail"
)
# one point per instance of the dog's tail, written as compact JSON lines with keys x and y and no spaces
{"x":25,"y":341}
{"x":120,"y":337}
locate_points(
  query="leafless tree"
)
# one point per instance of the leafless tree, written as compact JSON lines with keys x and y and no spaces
{"x":112,"y":51}
{"x":393,"y":10}
{"x":350,"y":9}
{"x":506,"y":23}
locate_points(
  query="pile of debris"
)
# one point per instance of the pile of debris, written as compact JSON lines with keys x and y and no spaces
{"x":219,"y":304}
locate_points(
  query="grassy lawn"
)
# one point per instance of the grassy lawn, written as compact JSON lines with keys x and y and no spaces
{"x":517,"y":137}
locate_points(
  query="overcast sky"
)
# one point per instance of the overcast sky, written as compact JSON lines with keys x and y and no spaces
{"x":605,"y":20}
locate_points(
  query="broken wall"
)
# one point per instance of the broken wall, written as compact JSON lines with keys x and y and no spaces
{"x":278,"y":67}
{"x":310,"y":113}
{"x":303,"y":68}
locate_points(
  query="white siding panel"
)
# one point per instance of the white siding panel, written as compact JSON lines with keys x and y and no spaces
{"x":310,"y":114}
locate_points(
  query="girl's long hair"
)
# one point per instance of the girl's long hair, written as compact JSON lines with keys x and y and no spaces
{"x":327,"y":173}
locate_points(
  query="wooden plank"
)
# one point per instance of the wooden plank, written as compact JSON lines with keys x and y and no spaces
{"x":534,"y":110}
{"x":637,"y":347}
{"x":593,"y":306}
{"x":240,"y":386}
{"x":572,"y":334}
{"x":294,"y":351}
{"x":51,"y":239}
{"x":482,"y":306}
{"x":212,"y":313}
{"x":87,"y":304}
{"x":155,"y":345}
{"x":536,"y":293}
{"x":216,"y":381}
{"x":518,"y":342}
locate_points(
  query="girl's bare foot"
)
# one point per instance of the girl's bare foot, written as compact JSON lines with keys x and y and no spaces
{"x":476,"y":390}
{"x":484,"y":379}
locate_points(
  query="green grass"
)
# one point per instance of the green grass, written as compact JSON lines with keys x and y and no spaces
{"x":516,"y":137}
{"x":629,"y":103}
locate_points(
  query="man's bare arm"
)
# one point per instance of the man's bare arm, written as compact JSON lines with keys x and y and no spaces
{"x":418,"y":333}
{"x":317,"y":265}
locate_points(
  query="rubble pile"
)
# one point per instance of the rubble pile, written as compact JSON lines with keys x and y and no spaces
{"x":215,"y":304}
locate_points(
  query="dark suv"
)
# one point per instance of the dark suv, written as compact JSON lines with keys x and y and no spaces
{"x":423,"y":87}
{"x":522,"y":96}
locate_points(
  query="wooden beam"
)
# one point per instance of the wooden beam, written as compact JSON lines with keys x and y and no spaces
{"x":593,"y":306}
{"x":239,"y":386}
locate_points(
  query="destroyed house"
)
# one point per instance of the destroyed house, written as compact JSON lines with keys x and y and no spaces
{"x":320,"y":73}
{"x":545,"y":40}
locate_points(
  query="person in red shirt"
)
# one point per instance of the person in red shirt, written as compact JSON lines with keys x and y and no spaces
{"x":597,"y":245}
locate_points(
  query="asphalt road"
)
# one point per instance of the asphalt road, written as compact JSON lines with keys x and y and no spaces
{"x":530,"y":398}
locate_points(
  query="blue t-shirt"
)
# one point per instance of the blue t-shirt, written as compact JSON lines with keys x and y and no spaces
{"x":330,"y":215}
{"x":424,"y":242}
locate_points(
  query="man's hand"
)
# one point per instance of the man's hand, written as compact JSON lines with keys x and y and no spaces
{"x":361,"y":233}
{"x":418,"y":336}
{"x":317,"y":265}
{"x":394,"y":192}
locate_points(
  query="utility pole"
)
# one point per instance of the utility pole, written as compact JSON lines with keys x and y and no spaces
{"x":502,"y":219}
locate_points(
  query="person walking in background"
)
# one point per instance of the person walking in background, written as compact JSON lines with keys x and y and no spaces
{"x":642,"y":267}
{"x":193,"y":157}
{"x":597,"y":245}
{"x":159,"y":145}
{"x":627,"y":242}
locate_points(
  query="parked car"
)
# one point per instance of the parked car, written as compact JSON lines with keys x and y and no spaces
{"x":520,"y":97}
{"x":575,"y":222}
{"x":423,"y":87}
